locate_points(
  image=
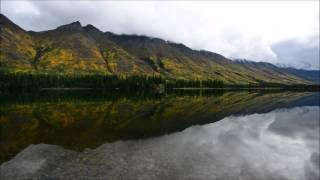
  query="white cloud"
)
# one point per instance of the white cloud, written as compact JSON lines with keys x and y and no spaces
{"x":244,"y":29}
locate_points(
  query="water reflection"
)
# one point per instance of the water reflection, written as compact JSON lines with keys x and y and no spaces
{"x":260,"y":136}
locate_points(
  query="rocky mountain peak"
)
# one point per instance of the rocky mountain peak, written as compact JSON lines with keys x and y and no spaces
{"x":72,"y":26}
{"x":91,"y":28}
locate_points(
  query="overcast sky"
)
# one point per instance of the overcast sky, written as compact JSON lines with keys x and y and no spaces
{"x":285,"y":32}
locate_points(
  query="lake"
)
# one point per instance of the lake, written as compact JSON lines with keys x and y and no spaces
{"x":174,"y":135}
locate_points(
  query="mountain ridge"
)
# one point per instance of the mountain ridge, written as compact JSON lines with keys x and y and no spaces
{"x":73,"y":48}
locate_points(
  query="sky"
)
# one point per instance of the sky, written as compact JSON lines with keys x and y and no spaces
{"x":281,"y":32}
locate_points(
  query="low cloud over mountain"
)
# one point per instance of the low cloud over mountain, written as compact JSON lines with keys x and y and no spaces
{"x":302,"y":54}
{"x":250,"y":30}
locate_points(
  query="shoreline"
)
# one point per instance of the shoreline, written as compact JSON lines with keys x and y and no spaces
{"x":222,"y":88}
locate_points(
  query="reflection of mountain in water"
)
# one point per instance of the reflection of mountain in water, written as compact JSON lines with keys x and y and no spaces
{"x":281,"y":144}
{"x":78,"y":123}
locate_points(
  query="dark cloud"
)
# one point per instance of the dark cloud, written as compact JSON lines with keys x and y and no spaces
{"x":298,"y":53}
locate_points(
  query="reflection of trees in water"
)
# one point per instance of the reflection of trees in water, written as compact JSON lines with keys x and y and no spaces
{"x":78,"y":121}
{"x":238,"y":147}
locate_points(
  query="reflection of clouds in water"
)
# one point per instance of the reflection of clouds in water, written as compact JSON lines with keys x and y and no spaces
{"x":282,"y":144}
{"x":305,"y":127}
{"x":301,"y":123}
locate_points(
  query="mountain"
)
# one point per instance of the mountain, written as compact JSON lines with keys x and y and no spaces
{"x":73,"y":48}
{"x":311,"y":75}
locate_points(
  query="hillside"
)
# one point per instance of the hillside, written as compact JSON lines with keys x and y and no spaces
{"x":74,"y":48}
{"x":311,"y":75}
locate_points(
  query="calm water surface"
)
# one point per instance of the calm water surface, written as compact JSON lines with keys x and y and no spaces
{"x":182,"y":135}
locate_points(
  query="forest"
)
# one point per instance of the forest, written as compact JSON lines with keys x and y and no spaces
{"x":20,"y":82}
{"x":28,"y":81}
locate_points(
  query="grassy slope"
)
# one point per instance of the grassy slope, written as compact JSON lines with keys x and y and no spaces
{"x":75,"y":49}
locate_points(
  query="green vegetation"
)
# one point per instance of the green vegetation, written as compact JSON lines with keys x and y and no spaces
{"x":40,"y":51}
{"x":36,"y":81}
{"x":73,"y":49}
{"x":29,"y":81}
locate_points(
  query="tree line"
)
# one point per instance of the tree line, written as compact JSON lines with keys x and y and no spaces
{"x":36,"y":81}
{"x":29,"y":81}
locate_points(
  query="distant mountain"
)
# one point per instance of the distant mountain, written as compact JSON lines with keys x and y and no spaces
{"x":74,"y":48}
{"x":311,"y":75}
